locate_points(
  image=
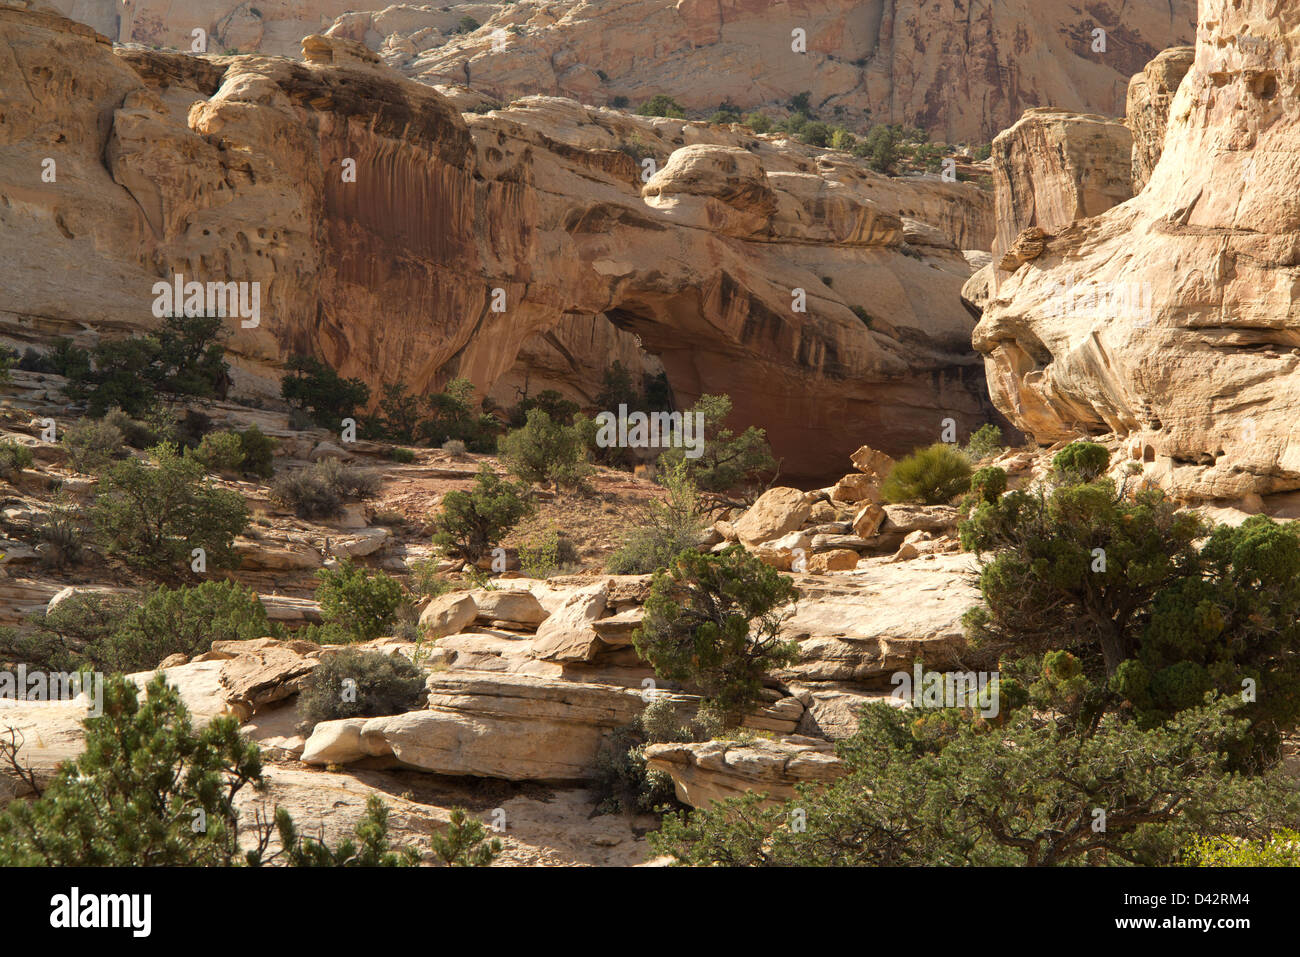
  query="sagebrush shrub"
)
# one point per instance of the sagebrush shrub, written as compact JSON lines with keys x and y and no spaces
{"x":666,"y":529}
{"x":220,"y":452}
{"x":14,"y":457}
{"x":383,"y":684}
{"x":321,"y":490}
{"x":92,"y":444}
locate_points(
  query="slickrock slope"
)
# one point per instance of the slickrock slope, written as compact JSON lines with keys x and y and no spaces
{"x":1204,"y":380}
{"x":232,"y":169}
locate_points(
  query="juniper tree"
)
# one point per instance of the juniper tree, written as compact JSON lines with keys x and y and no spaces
{"x":715,"y":621}
{"x":472,"y":522}
{"x":1027,"y":792}
{"x":1146,"y":595}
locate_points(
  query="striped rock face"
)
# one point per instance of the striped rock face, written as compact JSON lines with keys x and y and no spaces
{"x":1173,"y":318}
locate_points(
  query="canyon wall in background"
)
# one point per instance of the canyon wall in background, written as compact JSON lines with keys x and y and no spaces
{"x":232,"y":169}
{"x":962,"y":69}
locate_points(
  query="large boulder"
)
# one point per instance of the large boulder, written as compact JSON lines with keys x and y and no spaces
{"x":777,"y":511}
{"x":515,"y":727}
{"x":864,"y":627}
{"x":448,"y":614}
{"x":509,"y":608}
{"x":568,"y":634}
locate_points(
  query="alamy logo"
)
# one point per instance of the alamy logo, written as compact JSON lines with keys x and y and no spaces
{"x":193,"y":298}
{"x":951,"y":689}
{"x":653,"y":430}
{"x":74,"y":910}
{"x":23,"y":687}
{"x":1130,"y":301}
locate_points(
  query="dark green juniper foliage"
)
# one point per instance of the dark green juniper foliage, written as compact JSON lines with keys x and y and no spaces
{"x":152,"y":515}
{"x":454,"y":414}
{"x":560,"y":409}
{"x":152,"y":791}
{"x":1134,"y":587}
{"x":128,"y":633}
{"x":729,"y":462}
{"x":1080,"y":462}
{"x":183,"y":357}
{"x":715,"y":621}
{"x":472,"y":522}
{"x":546,"y":451}
{"x":1021,"y":793}
{"x":362,"y":605}
{"x":316,"y":389}
{"x":148,"y":791}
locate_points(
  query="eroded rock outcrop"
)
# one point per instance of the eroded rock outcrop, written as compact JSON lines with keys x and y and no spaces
{"x":1172,"y":319}
{"x":1150,"y":94}
{"x":1051,"y":168}
{"x":715,"y":770}
{"x":963,"y":72}
{"x":239,"y":169}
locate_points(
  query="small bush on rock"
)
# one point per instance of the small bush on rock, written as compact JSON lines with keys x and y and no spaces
{"x":14,"y":457}
{"x":715,"y":621}
{"x":221,"y":452}
{"x":930,"y":476}
{"x":93,"y":444}
{"x":667,"y":529}
{"x":383,"y":684}
{"x":1080,"y":462}
{"x":466,"y":843}
{"x":985,"y":442}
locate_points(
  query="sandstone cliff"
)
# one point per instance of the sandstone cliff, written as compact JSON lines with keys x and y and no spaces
{"x":1172,"y":317}
{"x":962,"y":70}
{"x":233,"y":169}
